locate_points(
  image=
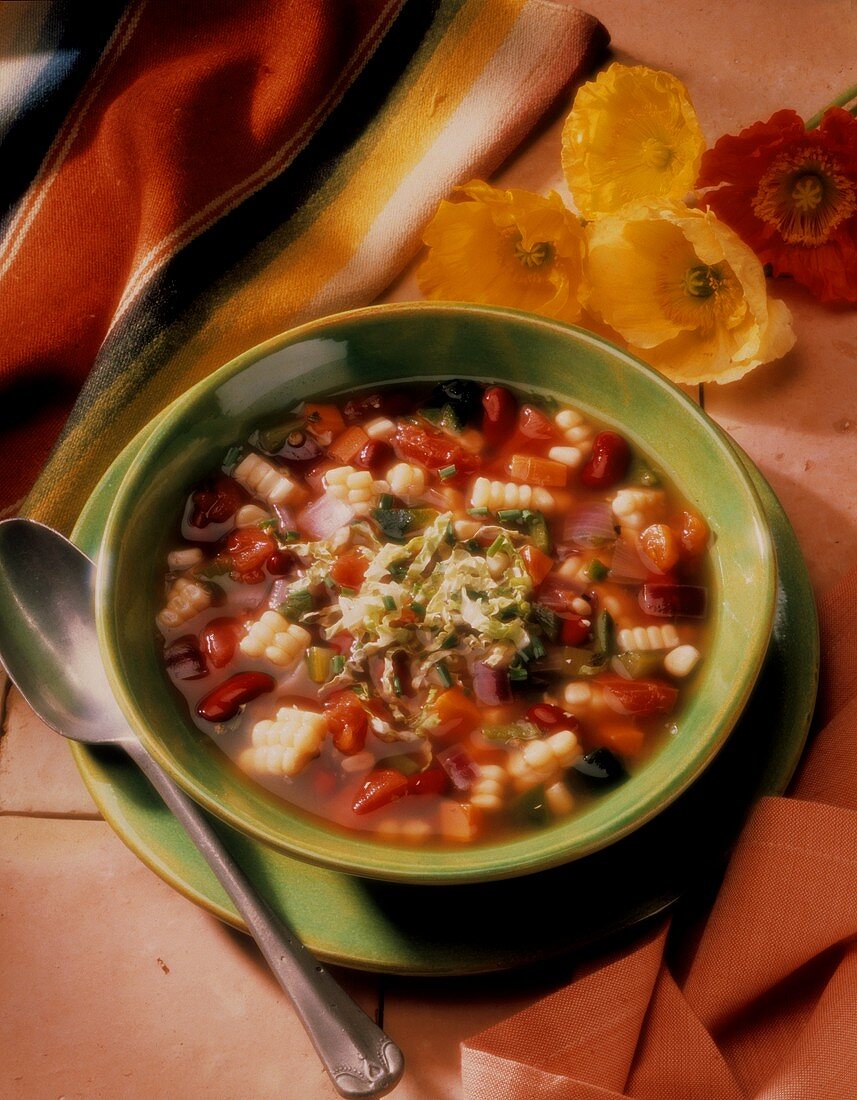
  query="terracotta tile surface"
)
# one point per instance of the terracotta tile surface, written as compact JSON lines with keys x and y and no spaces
{"x":113,"y":986}
{"x":37,"y":772}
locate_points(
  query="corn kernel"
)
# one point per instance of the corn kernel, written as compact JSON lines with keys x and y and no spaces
{"x":266,"y":481}
{"x":682,"y":660}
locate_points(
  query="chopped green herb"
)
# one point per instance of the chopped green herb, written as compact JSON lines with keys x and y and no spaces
{"x":348,"y":592}
{"x":510,"y":515}
{"x":538,"y":531}
{"x":450,"y":643}
{"x":478,"y":513}
{"x":418,"y":609}
{"x":446,"y":472}
{"x":389,"y":603}
{"x":231,"y":457}
{"x":538,"y":649}
{"x":337,"y":665}
{"x":443,"y":674}
{"x":297,"y":604}
{"x":291,"y":536}
{"x":497,"y":546}
{"x":450,"y":535}
{"x":214,"y":568}
{"x":329,"y":582}
{"x":596,"y":570}
{"x":267,"y":524}
{"x":361,"y":690}
{"x":397,"y":685}
{"x":518,"y":674}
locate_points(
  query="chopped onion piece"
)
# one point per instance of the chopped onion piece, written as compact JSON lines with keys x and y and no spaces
{"x":627,"y":566}
{"x":323,"y":518}
{"x":286,"y":517}
{"x":459,"y":766}
{"x":590,"y":526}
{"x":491,"y":685}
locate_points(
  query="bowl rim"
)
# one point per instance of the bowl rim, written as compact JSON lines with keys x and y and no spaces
{"x":434,"y":866}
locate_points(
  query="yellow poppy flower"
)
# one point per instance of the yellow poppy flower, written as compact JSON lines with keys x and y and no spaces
{"x":510,"y":248}
{"x":685,"y":292}
{"x":632,"y":135}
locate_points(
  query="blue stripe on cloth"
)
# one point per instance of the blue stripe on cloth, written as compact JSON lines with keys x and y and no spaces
{"x":47,"y":50}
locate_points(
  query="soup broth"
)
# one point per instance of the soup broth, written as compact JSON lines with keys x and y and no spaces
{"x":441,"y":615}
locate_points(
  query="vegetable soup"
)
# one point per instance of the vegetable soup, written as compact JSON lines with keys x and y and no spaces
{"x":441,"y":615}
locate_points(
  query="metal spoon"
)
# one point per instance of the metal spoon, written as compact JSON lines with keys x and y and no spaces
{"x":49,"y":646}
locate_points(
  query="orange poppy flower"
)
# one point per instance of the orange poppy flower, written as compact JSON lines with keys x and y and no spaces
{"x":791,"y":194}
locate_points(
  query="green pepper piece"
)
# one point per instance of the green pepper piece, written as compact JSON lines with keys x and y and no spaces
{"x":522,"y":730}
{"x":605,"y":633}
{"x":596,"y":570}
{"x":407,"y":765}
{"x":272,"y":439}
{"x":447,"y":417}
{"x":547,"y":620}
{"x":538,"y":531}
{"x":394,"y":522}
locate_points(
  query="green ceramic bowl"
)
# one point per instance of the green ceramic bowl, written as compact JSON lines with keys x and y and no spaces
{"x":425,"y":341}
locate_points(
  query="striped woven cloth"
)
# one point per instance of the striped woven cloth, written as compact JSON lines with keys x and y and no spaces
{"x":182,"y":181}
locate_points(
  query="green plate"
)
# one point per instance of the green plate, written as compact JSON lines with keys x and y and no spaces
{"x":395,"y":928}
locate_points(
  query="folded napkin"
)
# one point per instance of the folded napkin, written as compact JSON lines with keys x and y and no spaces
{"x":191,"y":179}
{"x":761,"y":1001}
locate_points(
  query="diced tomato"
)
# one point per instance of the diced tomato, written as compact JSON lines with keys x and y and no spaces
{"x":380,"y":789}
{"x":219,"y":640}
{"x":457,"y":715}
{"x":216,"y":502}
{"x":501,"y":411}
{"x":659,"y":548}
{"x":250,"y":548}
{"x":433,"y":780}
{"x":574,"y":630}
{"x":435,"y":450}
{"x":349,"y":570}
{"x":345,"y":448}
{"x":538,"y":471}
{"x":347,"y":721}
{"x":534,"y":424}
{"x":639,"y":697}
{"x":321,"y":419}
{"x":550,"y":718}
{"x":621,"y":738}
{"x":538,"y":563}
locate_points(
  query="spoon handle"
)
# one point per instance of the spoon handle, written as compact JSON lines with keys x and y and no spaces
{"x":361,"y":1060}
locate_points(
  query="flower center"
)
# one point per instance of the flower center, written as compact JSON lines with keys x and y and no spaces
{"x":702,"y":281}
{"x":805,"y":195}
{"x":656,"y":154}
{"x":540,"y":253}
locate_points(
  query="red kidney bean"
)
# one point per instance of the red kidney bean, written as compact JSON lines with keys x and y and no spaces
{"x":280,"y":563}
{"x":639,"y":697}
{"x":433,"y":780}
{"x":608,"y":463}
{"x":227,"y":698}
{"x":534,"y":424}
{"x":375,"y":455}
{"x":500,"y":414}
{"x":184,"y":660}
{"x":216,"y":502}
{"x":574,"y":630}
{"x":670,"y":601}
{"x":219,"y":639}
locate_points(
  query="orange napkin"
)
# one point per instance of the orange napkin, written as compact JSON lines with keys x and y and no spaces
{"x":762,"y":1001}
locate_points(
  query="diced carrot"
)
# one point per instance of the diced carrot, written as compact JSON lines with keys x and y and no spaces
{"x":323,"y":418}
{"x":538,"y":471}
{"x":538,"y":563}
{"x":350,"y":569}
{"x":457,"y":715}
{"x":348,"y":445}
{"x":623,"y":738}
